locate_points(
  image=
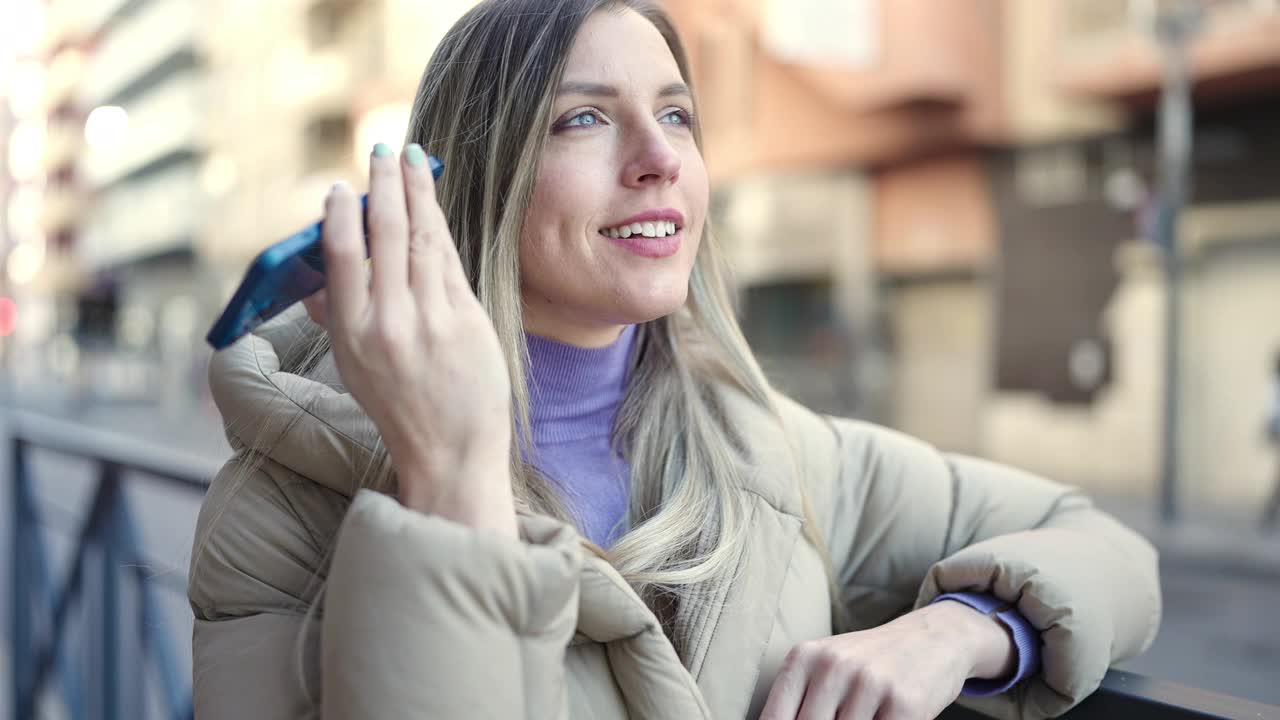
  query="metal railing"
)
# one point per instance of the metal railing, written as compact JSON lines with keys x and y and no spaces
{"x":38,"y":661}
{"x":1129,"y":696}
{"x":107,"y":558}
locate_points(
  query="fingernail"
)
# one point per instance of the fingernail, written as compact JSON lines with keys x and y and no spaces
{"x":339,"y":185}
{"x":414,"y":154}
{"x":381,"y":150}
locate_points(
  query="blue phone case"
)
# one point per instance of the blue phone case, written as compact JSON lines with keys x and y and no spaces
{"x":280,"y":276}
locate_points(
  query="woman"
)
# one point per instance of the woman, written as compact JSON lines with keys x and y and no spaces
{"x":539,"y":474}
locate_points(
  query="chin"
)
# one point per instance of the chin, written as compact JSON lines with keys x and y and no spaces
{"x":653,"y":303}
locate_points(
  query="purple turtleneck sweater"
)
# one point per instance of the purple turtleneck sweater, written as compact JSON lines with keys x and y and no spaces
{"x":575,"y":394}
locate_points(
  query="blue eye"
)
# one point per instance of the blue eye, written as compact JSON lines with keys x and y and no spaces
{"x":588,"y":118}
{"x":683,"y":117}
{"x":592,"y":118}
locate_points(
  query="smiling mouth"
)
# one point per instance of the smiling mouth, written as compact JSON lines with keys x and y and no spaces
{"x":653,"y":229}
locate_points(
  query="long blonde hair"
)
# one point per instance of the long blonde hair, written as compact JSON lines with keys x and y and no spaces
{"x":484,"y":108}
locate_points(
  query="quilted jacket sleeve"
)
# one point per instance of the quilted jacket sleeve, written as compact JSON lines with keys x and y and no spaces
{"x":908,"y":523}
{"x":425,"y":617}
{"x":419,"y":616}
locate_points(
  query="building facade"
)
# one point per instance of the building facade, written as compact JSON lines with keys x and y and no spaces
{"x":934,"y":210}
{"x":1000,"y":281}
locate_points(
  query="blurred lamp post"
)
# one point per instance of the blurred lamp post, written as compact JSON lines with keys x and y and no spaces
{"x":1175,"y":23}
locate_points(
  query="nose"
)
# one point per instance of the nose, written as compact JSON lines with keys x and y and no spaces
{"x":653,"y":161}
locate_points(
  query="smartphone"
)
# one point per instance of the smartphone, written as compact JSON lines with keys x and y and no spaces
{"x":280,"y":276}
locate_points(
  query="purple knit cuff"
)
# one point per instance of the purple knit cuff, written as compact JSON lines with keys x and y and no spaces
{"x":1025,"y":639}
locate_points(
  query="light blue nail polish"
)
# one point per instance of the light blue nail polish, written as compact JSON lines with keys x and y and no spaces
{"x":381,"y":150}
{"x":414,"y":154}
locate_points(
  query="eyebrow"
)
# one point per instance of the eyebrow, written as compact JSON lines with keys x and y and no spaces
{"x":589,"y":88}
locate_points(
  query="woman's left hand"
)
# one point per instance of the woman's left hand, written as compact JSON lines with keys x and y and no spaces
{"x":907,"y":669}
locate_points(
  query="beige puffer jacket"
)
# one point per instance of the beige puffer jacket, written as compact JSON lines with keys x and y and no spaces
{"x":422,"y":617}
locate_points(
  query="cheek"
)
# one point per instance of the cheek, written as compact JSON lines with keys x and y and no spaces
{"x":563,"y":187}
{"x":541,"y":260}
{"x":541,"y":223}
{"x":696,"y":200}
{"x":544,"y":210}
{"x":694,"y":182}
{"x":550,"y":244}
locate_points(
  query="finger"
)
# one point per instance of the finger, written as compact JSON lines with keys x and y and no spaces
{"x":427,"y":231}
{"x":861,"y":702}
{"x":822,"y":697}
{"x":456,"y":283}
{"x":317,"y":305}
{"x":388,"y":231}
{"x":786,"y":694}
{"x":450,"y":267}
{"x":455,"y":275}
{"x":342,"y":241}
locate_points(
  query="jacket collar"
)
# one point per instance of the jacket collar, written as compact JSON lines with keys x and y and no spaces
{"x":310,"y":425}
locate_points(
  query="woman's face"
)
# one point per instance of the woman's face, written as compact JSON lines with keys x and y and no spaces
{"x":620,"y":169}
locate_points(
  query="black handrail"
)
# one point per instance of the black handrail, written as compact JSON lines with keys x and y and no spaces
{"x":1122,"y":695}
{"x":1128,"y":696}
{"x":109,"y":530}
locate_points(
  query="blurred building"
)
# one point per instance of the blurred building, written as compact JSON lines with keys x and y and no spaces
{"x":894,"y":108}
{"x":114,"y":196}
{"x":933,"y":208}
{"x":966,"y":183}
{"x":173,"y":140}
{"x":1230,"y":245}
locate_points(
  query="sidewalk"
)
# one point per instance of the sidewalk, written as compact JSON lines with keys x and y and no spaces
{"x":1220,"y":581}
{"x":195,"y":429}
{"x":1207,"y":540}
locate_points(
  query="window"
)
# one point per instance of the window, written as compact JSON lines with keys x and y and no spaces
{"x":328,"y":142}
{"x":844,"y":33}
{"x":802,"y":343}
{"x":326,"y":20}
{"x":724,"y":76}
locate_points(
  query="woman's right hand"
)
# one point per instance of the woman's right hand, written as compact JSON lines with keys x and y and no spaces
{"x":415,"y":347}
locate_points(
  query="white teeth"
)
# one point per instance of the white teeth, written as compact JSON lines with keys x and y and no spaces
{"x":660,"y":228}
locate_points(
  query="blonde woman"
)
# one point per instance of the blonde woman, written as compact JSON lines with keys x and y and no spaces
{"x":529,"y":467}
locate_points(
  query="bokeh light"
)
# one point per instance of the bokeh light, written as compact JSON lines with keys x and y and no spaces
{"x":26,"y":150}
{"x":106,"y":126}
{"x":384,"y":123}
{"x":26,"y":88}
{"x":8,"y":316}
{"x":25,"y":262}
{"x":24,"y":212}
